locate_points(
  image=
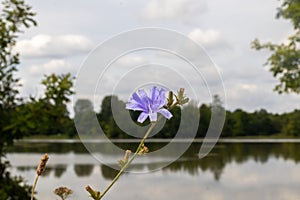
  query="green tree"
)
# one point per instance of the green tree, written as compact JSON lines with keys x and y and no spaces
{"x":240,"y":123}
{"x":84,"y":115}
{"x":205,"y":115}
{"x":58,"y":89}
{"x":106,"y":118}
{"x":83,"y":105}
{"x":228,"y":125}
{"x":261,"y":123}
{"x":14,"y":16}
{"x":10,"y":188}
{"x":48,"y":114}
{"x":292,"y":127}
{"x":284,"y":61}
{"x":171,"y":126}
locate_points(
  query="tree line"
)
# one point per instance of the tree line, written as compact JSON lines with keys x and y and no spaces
{"x":238,"y":123}
{"x":49,"y":116}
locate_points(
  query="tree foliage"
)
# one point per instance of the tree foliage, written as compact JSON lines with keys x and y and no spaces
{"x":47,"y":115}
{"x":58,"y":88}
{"x":284,"y":61}
{"x":10,"y":187}
{"x":84,"y":115}
{"x":292,"y":126}
{"x":14,"y":16}
{"x":238,"y":123}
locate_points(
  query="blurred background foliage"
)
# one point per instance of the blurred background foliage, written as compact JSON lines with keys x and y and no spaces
{"x":284,"y":61}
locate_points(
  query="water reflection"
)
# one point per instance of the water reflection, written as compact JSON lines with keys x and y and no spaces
{"x":74,"y":154}
{"x":108,"y":172}
{"x":83,"y":170}
{"x":245,"y":171}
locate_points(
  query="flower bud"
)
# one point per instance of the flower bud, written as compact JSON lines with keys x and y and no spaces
{"x":170,"y":99}
{"x":125,"y":159}
{"x":181,"y":97}
{"x":94,"y":194}
{"x":126,"y":156}
{"x":143,"y":150}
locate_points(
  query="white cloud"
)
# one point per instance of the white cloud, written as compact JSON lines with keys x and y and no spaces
{"x":205,"y":37}
{"x":53,"y":46}
{"x":211,"y":39}
{"x":248,"y":87}
{"x":53,"y":66}
{"x":168,"y":9}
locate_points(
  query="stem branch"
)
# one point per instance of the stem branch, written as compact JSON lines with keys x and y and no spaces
{"x":131,"y":159}
{"x":33,"y":187}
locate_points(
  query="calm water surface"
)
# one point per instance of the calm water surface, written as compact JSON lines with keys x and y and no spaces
{"x":232,"y":171}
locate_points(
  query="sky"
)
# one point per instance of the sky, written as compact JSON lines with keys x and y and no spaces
{"x":69,"y":33}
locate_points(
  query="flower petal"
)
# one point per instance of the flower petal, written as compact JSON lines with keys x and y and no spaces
{"x":134,"y":106}
{"x":138,"y":100}
{"x":167,"y":114}
{"x":162,"y":96}
{"x":153,"y":117}
{"x":154,"y":93}
{"x":159,"y":101}
{"x":143,"y":116}
{"x":136,"y":103}
{"x":143,"y":95}
{"x":162,"y":92}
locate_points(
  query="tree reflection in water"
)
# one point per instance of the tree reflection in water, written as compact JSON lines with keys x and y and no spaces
{"x":83,"y":170}
{"x":222,"y":155}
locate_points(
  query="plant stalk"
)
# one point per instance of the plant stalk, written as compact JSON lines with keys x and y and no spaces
{"x":33,"y":187}
{"x":131,"y":159}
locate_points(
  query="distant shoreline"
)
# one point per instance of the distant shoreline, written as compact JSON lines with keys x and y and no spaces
{"x":197,"y":140}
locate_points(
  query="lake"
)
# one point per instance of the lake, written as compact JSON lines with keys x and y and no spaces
{"x":235,"y":169}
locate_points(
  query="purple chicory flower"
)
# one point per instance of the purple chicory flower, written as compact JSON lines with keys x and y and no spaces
{"x":149,"y":105}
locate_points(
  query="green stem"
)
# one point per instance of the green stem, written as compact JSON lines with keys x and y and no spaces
{"x":130,"y":161}
{"x":34,"y":185}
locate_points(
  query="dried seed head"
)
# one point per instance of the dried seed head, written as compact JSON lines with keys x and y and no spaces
{"x":63,"y":192}
{"x":41,"y":167}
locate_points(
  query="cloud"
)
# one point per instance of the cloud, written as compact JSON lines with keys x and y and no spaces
{"x":170,"y":9}
{"x":204,"y":37}
{"x":53,"y":46}
{"x":217,"y":25}
{"x":32,"y":74}
{"x":210,"y":39}
{"x":249,"y":96}
{"x":53,"y":66}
